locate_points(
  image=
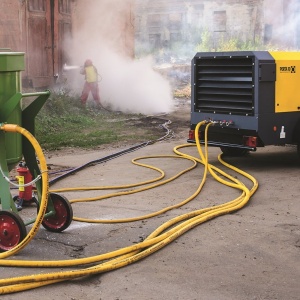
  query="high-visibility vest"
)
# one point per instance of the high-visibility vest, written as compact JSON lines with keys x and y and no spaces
{"x":91,"y":74}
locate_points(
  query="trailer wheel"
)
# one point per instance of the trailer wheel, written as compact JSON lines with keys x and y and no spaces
{"x":63,"y":214}
{"x":12,"y":230}
{"x":233,"y":151}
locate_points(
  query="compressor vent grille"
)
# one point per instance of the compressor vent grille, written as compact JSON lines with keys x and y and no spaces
{"x":224,"y":85}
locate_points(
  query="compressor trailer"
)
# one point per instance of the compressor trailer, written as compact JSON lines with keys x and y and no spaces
{"x":252,"y":97}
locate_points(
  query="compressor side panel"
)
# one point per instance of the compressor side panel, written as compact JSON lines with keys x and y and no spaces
{"x":288,"y":80}
{"x":278,"y":127}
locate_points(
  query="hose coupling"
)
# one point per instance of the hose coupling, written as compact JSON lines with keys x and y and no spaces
{"x":220,"y":122}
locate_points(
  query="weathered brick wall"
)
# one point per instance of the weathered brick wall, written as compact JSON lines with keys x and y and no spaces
{"x":276,"y":22}
{"x":11,"y":24}
{"x":224,"y":19}
{"x":106,"y":21}
{"x":243,"y":19}
{"x":43,"y":31}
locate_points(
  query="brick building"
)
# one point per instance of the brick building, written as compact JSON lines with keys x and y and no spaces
{"x":40,"y":28}
{"x":163,"y":23}
{"x":43,"y":28}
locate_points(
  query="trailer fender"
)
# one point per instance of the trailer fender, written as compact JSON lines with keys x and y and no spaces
{"x":296,"y":133}
{"x":296,"y":137}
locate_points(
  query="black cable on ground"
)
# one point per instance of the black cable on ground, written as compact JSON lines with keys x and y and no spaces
{"x":99,"y":160}
{"x":114,"y":155}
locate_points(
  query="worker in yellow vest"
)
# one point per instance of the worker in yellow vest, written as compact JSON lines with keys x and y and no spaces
{"x":91,"y":83}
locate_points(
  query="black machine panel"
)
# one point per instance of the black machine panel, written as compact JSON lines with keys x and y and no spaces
{"x":223,"y":85}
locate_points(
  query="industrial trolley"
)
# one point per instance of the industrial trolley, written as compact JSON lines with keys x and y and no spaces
{"x":14,"y":148}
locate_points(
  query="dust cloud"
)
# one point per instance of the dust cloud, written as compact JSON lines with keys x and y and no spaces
{"x":104,"y":33}
{"x":284,"y":27}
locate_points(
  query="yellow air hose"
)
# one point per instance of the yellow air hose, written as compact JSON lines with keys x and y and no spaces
{"x":163,"y":235}
{"x":45,"y":187}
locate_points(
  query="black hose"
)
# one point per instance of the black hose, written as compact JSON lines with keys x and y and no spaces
{"x":114,"y":155}
{"x":97,"y":161}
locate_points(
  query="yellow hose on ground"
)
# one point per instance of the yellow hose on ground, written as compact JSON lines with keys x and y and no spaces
{"x":147,"y":216}
{"x":45,"y":187}
{"x":159,"y":238}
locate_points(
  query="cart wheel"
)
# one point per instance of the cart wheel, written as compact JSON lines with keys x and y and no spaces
{"x":12,"y":230}
{"x":233,"y":151}
{"x":63,"y":214}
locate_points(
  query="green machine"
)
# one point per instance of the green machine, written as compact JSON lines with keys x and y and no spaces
{"x":14,"y":148}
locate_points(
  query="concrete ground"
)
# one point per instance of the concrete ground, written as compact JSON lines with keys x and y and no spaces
{"x":250,"y":254}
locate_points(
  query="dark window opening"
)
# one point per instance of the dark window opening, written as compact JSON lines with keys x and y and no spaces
{"x":175,"y":21}
{"x":155,"y":40}
{"x":64,"y":6}
{"x":154,"y":20}
{"x":268,"y":33}
{"x":219,"y":19}
{"x":37,"y":5}
{"x":175,"y":37}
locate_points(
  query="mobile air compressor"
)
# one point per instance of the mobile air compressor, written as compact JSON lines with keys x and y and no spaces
{"x":252,"y":97}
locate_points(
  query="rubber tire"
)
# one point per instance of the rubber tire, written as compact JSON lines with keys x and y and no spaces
{"x":63,"y":214}
{"x":233,"y":151}
{"x":15,"y":229}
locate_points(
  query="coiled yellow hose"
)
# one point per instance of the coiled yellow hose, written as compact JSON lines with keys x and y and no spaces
{"x":45,"y":187}
{"x":162,"y":236}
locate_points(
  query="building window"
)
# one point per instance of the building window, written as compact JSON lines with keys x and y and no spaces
{"x":175,"y":21}
{"x":64,"y":6}
{"x":155,"y":40}
{"x":268,"y":33}
{"x":219,"y":20}
{"x":175,"y":37}
{"x":37,"y":5}
{"x":154,"y":20}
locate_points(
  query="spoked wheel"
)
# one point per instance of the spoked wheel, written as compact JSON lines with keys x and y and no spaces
{"x":12,"y":230}
{"x":63,"y":214}
{"x":233,"y":151}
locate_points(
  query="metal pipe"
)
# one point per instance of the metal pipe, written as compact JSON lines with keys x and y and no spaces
{"x":35,"y":94}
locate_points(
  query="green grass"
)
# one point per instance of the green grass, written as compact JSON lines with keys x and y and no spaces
{"x":62,"y":122}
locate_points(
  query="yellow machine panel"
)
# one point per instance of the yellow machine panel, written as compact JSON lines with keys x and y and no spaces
{"x":287,"y":96}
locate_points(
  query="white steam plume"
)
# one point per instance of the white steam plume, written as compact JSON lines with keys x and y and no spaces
{"x":284,"y":17}
{"x":101,"y":34}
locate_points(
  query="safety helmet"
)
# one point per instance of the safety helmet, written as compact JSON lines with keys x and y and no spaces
{"x":88,"y":62}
